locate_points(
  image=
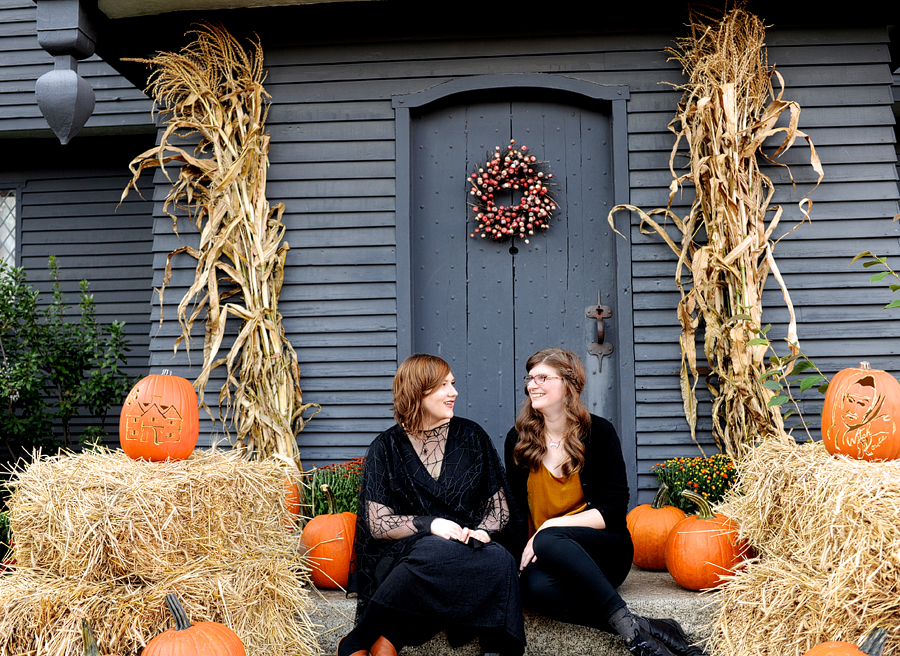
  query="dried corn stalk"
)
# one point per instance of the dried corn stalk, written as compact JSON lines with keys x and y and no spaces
{"x":728,"y":110}
{"x":212,"y":91}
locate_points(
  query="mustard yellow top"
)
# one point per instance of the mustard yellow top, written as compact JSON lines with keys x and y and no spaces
{"x":549,"y":496}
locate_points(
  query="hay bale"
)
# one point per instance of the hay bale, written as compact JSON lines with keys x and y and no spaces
{"x":827,"y":540}
{"x":104,"y":537}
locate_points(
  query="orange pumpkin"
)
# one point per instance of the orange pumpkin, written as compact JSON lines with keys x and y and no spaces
{"x":700,"y":548}
{"x":291,"y":503}
{"x":329,"y":539}
{"x":872,"y":645}
{"x":186,"y":639}
{"x":859,"y":417}
{"x":160,"y":419}
{"x":649,"y":525}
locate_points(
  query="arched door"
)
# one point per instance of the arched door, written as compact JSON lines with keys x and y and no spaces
{"x":486,"y":307}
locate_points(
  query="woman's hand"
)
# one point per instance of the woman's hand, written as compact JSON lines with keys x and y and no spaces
{"x":449,"y":530}
{"x":528,"y":556}
{"x":475,"y":534}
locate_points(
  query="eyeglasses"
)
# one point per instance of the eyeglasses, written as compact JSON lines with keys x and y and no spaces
{"x":540,"y":379}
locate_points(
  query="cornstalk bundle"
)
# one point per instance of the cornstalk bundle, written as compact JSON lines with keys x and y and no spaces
{"x":825,"y":532}
{"x":729,"y":109}
{"x":212,"y":91}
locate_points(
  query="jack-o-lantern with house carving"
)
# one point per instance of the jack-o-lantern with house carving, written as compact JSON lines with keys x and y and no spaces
{"x":160,"y":419}
{"x":859,"y":418}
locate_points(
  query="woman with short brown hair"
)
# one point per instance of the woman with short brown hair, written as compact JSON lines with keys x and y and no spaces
{"x":433,"y":500}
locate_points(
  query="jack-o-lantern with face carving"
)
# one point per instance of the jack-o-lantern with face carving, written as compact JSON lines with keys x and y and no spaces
{"x":859,"y":417}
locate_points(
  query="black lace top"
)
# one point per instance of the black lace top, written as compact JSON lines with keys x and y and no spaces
{"x":453,"y":472}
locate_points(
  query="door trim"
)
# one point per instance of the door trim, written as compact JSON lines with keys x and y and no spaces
{"x":616,"y":96}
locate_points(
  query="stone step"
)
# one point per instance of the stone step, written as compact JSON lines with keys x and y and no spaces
{"x":651,"y":594}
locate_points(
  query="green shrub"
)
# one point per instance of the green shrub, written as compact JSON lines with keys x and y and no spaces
{"x":51,"y":367}
{"x":343,"y":479}
{"x":710,"y":477}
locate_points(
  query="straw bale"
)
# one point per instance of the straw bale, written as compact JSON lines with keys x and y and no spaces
{"x":827,"y":540}
{"x":101,"y":515}
{"x":262,"y":600}
{"x":104,"y":537}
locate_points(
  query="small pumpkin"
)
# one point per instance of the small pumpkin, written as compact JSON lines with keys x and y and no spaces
{"x":649,"y":525}
{"x":871,"y":645}
{"x":700,"y":548}
{"x":160,"y":419}
{"x":859,"y":418}
{"x":186,"y":639}
{"x":329,"y":539}
{"x":291,"y":503}
{"x":87,"y":637}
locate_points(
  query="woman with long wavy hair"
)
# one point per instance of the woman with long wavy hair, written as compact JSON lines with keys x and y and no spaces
{"x":566,"y":471}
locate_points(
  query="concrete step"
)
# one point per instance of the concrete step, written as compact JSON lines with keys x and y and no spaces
{"x":651,"y":594}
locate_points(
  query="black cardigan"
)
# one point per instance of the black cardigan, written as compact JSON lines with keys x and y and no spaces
{"x":603,"y":477}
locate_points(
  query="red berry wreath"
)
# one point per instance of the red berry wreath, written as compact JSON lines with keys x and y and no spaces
{"x":517,"y":170}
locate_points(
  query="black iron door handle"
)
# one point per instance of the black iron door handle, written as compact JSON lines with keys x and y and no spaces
{"x":600,"y":347}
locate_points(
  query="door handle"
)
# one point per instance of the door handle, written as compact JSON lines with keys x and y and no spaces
{"x":600,"y":347}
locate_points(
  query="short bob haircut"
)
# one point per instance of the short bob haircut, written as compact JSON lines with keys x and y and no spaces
{"x":416,"y":377}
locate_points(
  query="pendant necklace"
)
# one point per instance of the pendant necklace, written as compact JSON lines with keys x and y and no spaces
{"x":554,"y":443}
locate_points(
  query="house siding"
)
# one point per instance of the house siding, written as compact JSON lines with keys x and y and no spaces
{"x":333,"y":165}
{"x":119,"y":106}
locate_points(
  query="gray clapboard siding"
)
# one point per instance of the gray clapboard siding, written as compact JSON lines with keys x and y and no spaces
{"x":68,"y":208}
{"x":119,"y":105}
{"x":332,"y":164}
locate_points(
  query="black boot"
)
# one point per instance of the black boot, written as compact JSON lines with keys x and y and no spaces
{"x":644,"y":644}
{"x":670,"y":633}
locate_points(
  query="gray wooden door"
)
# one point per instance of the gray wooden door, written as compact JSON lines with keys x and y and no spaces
{"x":486,"y":307}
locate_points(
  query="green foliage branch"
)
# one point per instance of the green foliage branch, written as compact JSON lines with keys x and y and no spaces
{"x":52,"y":367}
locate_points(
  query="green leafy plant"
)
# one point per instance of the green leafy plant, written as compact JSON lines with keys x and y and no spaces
{"x":342,"y":478}
{"x":787,"y":373}
{"x":709,"y":477}
{"x":5,"y":540}
{"x":874,"y":260}
{"x":52,"y":366}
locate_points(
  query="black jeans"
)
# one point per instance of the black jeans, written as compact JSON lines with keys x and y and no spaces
{"x":575,"y":576}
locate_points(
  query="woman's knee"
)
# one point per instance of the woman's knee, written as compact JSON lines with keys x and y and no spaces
{"x":553,"y":543}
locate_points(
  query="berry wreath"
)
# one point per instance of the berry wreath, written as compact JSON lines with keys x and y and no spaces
{"x":517,"y":170}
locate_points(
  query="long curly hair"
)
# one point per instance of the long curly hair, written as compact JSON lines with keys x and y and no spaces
{"x":531,"y":447}
{"x":416,"y":377}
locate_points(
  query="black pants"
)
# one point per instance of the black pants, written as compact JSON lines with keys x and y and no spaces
{"x":575,"y":576}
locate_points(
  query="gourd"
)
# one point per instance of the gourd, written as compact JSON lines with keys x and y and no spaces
{"x":871,"y":645}
{"x":87,"y":637}
{"x":702,"y":547}
{"x":160,"y":419}
{"x":860,"y":412}
{"x":649,"y":525}
{"x":186,"y":639}
{"x":329,"y":539}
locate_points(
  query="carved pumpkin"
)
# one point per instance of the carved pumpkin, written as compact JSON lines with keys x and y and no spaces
{"x":860,"y":413}
{"x":160,"y":419}
{"x":186,"y":639}
{"x":649,"y":525}
{"x":702,"y":547}
{"x":291,"y":503}
{"x":329,"y":539}
{"x":872,"y":645}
